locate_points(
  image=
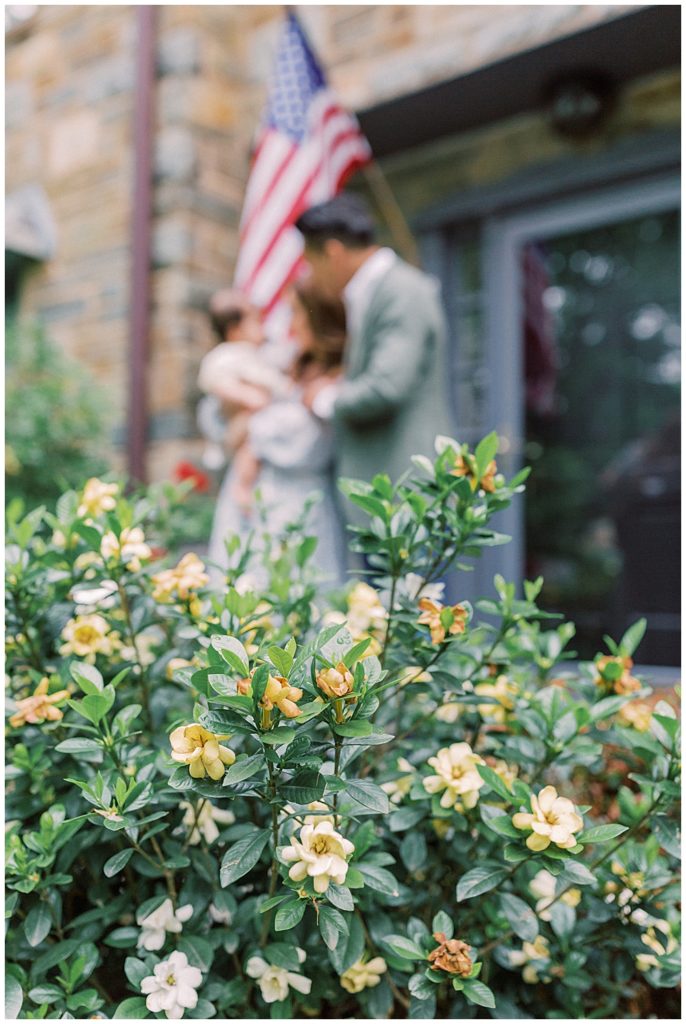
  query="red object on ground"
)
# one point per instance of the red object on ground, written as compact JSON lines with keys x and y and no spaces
{"x":187,"y":471}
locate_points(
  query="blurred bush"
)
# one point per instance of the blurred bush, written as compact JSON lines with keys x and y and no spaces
{"x":56,"y":419}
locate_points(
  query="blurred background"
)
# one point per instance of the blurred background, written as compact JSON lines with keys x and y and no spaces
{"x":534,"y":151}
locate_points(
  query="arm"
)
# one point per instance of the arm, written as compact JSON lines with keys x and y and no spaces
{"x":402,"y":339}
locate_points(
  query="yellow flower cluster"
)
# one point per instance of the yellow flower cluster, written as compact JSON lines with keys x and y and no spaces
{"x":456,"y":777}
{"x":504,"y":691}
{"x":553,"y":819}
{"x":182,"y":582}
{"x":465,"y":465}
{"x":431,"y":617}
{"x":614,"y":672}
{"x":201,"y":751}
{"x":39,"y":707}
{"x":636,"y":714}
{"x":130,"y":548}
{"x":529,"y":957}
{"x":97,"y":497}
{"x":281,"y":695}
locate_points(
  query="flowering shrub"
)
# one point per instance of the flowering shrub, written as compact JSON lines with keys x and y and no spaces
{"x":270,"y":801}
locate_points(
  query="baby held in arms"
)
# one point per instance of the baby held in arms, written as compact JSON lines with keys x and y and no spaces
{"x":237,"y":380}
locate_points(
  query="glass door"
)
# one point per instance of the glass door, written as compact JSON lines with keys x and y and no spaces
{"x":583,"y":312}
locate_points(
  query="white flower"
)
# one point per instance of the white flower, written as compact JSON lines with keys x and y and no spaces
{"x":275,"y":981}
{"x":413,"y":586}
{"x":396,"y":789}
{"x":363,"y":974}
{"x":88,"y":599}
{"x":172,"y":986}
{"x":165,"y":919}
{"x":321,"y":853}
{"x":220,"y":915}
{"x":205,"y":821}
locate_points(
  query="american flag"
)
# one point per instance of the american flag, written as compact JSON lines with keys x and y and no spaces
{"x":307,"y":147}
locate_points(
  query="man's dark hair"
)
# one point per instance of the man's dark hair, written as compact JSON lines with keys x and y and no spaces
{"x":346,"y":218}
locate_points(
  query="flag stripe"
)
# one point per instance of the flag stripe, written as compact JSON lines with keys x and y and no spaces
{"x":308,"y":147}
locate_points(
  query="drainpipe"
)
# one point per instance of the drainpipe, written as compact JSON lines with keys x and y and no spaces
{"x":141,"y":230}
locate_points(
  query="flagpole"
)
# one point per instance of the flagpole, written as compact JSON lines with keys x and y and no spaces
{"x":388,"y":205}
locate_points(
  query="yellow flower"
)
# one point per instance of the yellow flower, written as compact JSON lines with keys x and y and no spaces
{"x":363,"y":974}
{"x":507,"y":772}
{"x":660,"y":947}
{"x":465,"y":465}
{"x":201,"y":820}
{"x":335,"y":682}
{"x":449,"y":712}
{"x":174,"y":664}
{"x":280,"y":694}
{"x":542,"y":887}
{"x":86,"y":563}
{"x":431,"y":617}
{"x":396,"y":789}
{"x":615,"y":674}
{"x":366,"y":614}
{"x":636,"y":714}
{"x":201,"y":751}
{"x":40,"y":707}
{"x":97,"y":497}
{"x":88,"y":635}
{"x":537,"y":950}
{"x":502,"y":690}
{"x":321,"y":853}
{"x":130,"y":548}
{"x":181,"y":582}
{"x":554,"y":820}
{"x":456,"y":776}
{"x":414,"y":674}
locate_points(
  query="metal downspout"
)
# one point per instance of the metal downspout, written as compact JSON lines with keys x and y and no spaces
{"x":141,"y":230}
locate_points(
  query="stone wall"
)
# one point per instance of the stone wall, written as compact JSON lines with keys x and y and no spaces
{"x":69,"y":108}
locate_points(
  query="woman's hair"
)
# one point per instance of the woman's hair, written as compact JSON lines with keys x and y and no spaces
{"x":327,"y":322}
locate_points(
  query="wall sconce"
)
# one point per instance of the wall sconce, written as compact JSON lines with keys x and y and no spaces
{"x":579,"y":103}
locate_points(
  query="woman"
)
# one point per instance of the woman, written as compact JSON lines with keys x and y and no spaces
{"x":288,"y":452}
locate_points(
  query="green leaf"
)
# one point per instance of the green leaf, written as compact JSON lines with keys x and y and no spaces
{"x":79,"y":745}
{"x":53,"y":956}
{"x":242,"y":857}
{"x":244,"y":768}
{"x":348,"y":951}
{"x":502,"y":824}
{"x":574,"y":871}
{"x":289,"y":915}
{"x":333,"y":926}
{"x":304,"y":788}
{"x":46,"y":994}
{"x":601,"y":833}
{"x":233,"y":652}
{"x":131,"y":1009}
{"x":405,"y":948}
{"x":413,"y":851}
{"x":135,"y":970}
{"x":95,"y":706}
{"x":606,"y":707}
{"x":362,"y":727}
{"x":379,"y":879}
{"x":199,"y":951}
{"x":37,"y":924}
{"x":367,"y":793}
{"x":280,"y":659}
{"x":87,"y":676}
{"x":632,"y":637}
{"x":340,"y":895}
{"x":305,"y":550}
{"x":477,"y":992}
{"x":493,"y":780}
{"x":485,"y":451}
{"x":279,"y":736}
{"x":478,"y":881}
{"x":372,"y":506}
{"x":520,"y":916}
{"x":442,"y":922}
{"x":13,"y":997}
{"x":117,"y":863}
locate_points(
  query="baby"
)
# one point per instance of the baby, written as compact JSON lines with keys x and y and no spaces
{"x":236,"y":374}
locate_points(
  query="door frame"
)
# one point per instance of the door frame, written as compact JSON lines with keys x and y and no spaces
{"x":502,"y":239}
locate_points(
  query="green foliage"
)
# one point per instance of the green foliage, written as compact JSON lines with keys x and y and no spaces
{"x":357,"y":805}
{"x":56,"y":420}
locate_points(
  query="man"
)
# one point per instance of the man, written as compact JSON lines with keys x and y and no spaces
{"x":392,"y":400}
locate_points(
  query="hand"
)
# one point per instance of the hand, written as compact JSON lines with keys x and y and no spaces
{"x":311,"y":390}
